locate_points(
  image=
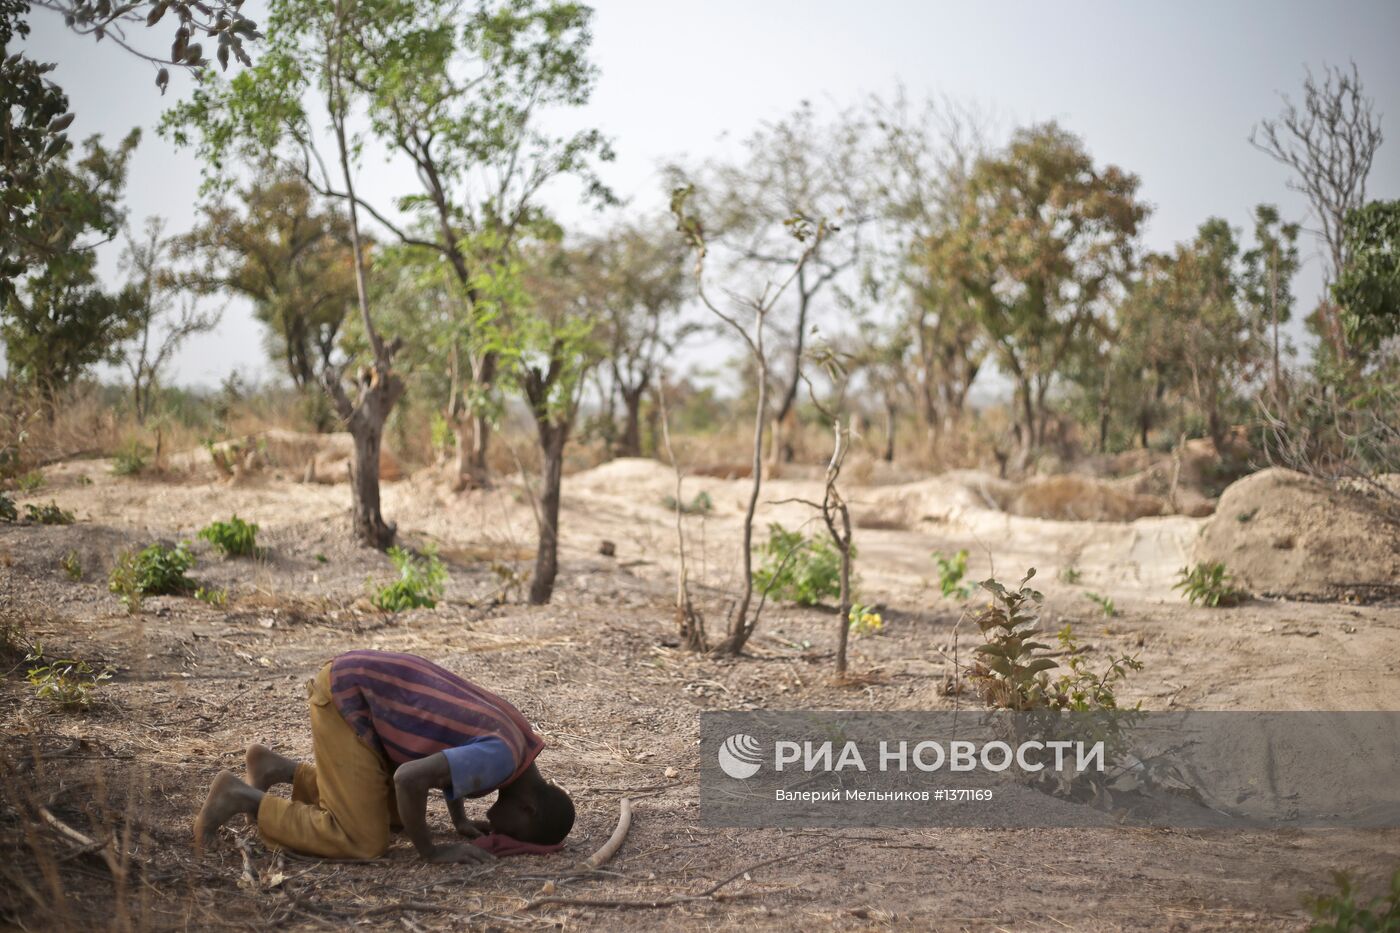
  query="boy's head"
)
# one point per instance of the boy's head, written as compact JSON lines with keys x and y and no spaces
{"x":532,"y":810}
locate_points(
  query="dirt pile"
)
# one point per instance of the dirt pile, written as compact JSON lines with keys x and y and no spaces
{"x":1073,"y":498}
{"x":1285,"y":534}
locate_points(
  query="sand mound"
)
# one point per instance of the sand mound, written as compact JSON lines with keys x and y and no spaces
{"x":1283,"y":533}
{"x":1076,"y":498}
{"x":319,"y":458}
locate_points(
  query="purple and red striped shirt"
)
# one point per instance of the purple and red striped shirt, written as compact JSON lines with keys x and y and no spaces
{"x":408,"y":708}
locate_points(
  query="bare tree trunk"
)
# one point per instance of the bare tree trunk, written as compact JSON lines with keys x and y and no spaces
{"x":891,"y":415}
{"x":843,"y":634}
{"x":690,"y":623}
{"x":367,"y":431}
{"x":552,"y":439}
{"x":630,"y":444}
{"x":740,"y":627}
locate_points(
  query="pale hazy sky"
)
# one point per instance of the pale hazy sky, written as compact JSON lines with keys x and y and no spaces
{"x":1168,"y":90}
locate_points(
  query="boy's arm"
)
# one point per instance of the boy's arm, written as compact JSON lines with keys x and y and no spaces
{"x":469,"y":828}
{"x":412,"y":781}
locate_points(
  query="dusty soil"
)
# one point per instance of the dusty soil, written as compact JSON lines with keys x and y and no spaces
{"x":599,"y":673}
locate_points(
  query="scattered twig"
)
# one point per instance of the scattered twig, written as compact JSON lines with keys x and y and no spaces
{"x":86,"y":842}
{"x":609,"y":849}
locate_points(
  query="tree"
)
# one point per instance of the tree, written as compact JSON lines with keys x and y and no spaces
{"x":459,"y":91}
{"x":316,"y":51}
{"x":1041,"y":248}
{"x":1368,"y":289}
{"x":158,"y":326}
{"x":882,"y":354}
{"x":1269,"y":269}
{"x":638,"y":271}
{"x":57,"y":322}
{"x":290,"y":255}
{"x":554,"y":344}
{"x":799,"y":166}
{"x":749,"y":322}
{"x":220,"y":20}
{"x":1329,"y":142}
{"x":922,"y":163}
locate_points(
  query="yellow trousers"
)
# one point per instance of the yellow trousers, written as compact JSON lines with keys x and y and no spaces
{"x":343,"y":806}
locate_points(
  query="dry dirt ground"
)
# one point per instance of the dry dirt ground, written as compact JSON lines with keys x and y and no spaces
{"x":599,"y":673}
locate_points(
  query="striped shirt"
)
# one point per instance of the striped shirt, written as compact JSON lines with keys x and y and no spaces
{"x":408,"y":708}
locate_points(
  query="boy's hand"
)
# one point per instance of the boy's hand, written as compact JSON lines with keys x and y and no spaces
{"x":472,"y":829}
{"x":458,"y":853}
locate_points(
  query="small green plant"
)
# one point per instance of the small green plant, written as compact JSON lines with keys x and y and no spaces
{"x":1105,"y":604}
{"x":72,"y":565}
{"x":865,"y":622}
{"x":701,"y":504}
{"x":1009,"y":672}
{"x":131,"y":459}
{"x":804,"y":569}
{"x":69,"y":682}
{"x":1210,"y":584}
{"x":322,"y":559}
{"x":1071,"y":575}
{"x":216,"y":598}
{"x":154,"y":571}
{"x":421,"y":582}
{"x":30,"y":482}
{"x":8,"y":513}
{"x":82,"y":479}
{"x":950,"y":575}
{"x":1081,"y":689}
{"x":1244,"y":517}
{"x":1342,"y":913}
{"x":234,"y":538}
{"x":49,"y":514}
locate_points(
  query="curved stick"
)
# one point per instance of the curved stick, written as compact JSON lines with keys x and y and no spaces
{"x":609,"y":849}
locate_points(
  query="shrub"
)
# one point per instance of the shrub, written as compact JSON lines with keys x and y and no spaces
{"x":1105,"y":604}
{"x":421,"y":582}
{"x":234,"y":538}
{"x":8,"y":512}
{"x":49,"y":514}
{"x":1210,"y":584}
{"x":701,"y":504}
{"x":69,"y":682}
{"x":156,"y":570}
{"x":804,"y":569}
{"x":72,"y":565}
{"x":865,"y":622}
{"x":216,"y":598}
{"x":1341,"y":913}
{"x":950,"y":574}
{"x":30,"y":482}
{"x":131,"y":459}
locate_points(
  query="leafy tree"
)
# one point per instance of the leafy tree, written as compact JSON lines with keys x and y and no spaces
{"x":290,"y":255}
{"x":640,"y":281}
{"x":56,"y":322}
{"x":1329,"y":141}
{"x":163,"y":318}
{"x":316,"y":55}
{"x":1269,"y":269}
{"x":922,"y":163}
{"x":1368,"y":289}
{"x":553,"y":345}
{"x":1041,"y":249}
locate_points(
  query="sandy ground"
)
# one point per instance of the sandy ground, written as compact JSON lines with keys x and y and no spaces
{"x":599,"y":673}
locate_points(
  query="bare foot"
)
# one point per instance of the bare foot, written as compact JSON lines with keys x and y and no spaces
{"x":228,"y":797}
{"x":264,"y":767}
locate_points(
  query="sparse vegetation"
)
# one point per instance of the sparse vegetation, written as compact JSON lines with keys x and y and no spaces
{"x":951,"y":571}
{"x":132,"y":459}
{"x":1071,"y":575}
{"x":72,"y":565}
{"x":233,"y":538}
{"x":49,"y":514}
{"x":218,"y":598}
{"x":1343,"y":911}
{"x":67,"y":682}
{"x":8,"y":513}
{"x":798,"y":568}
{"x":421,"y":583}
{"x":865,"y":622}
{"x":32,"y":481}
{"x":1210,"y":584}
{"x":1105,"y":604}
{"x":700,"y":504}
{"x":154,"y":571}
